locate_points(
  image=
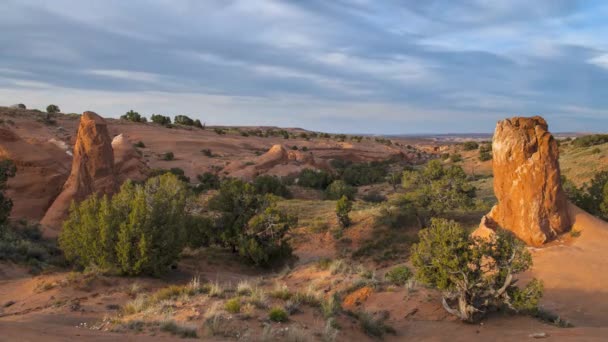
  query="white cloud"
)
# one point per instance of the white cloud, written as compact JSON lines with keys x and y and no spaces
{"x":600,"y":61}
{"x":125,"y":75}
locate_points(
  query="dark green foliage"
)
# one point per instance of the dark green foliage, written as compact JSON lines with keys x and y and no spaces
{"x":179,"y":173}
{"x":140,"y":144}
{"x":374,"y":197}
{"x":7,"y":170}
{"x":397,"y":214}
{"x":343,"y":208}
{"x":197,"y":123}
{"x":316,"y":179}
{"x":596,"y":151}
{"x":133,"y":116}
{"x":208,"y":181}
{"x":445,"y":156}
{"x":434,"y":189}
{"x":264,"y":239}
{"x":51,"y":109}
{"x":485,"y":156}
{"x":200,"y":231}
{"x":592,"y":197}
{"x":141,"y":230}
{"x":470,"y":145}
{"x":161,"y":119}
{"x":476,"y":275}
{"x":294,"y":147}
{"x":358,"y":174}
{"x":207,"y":153}
{"x":339,"y":188}
{"x":267,"y":184}
{"x":455,"y":158}
{"x":237,"y":203}
{"x":398,"y":275}
{"x":183,"y":120}
{"x":168,"y":156}
{"x":278,"y":315}
{"x":219,"y":131}
{"x":374,"y":327}
{"x":590,"y":140}
{"x":394,"y":179}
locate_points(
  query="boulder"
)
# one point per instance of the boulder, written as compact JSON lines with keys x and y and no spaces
{"x":527,"y":182}
{"x":92,"y":170}
{"x":128,"y":162}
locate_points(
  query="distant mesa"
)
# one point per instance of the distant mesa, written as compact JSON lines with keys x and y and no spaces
{"x":527,"y":182}
{"x":92,"y":170}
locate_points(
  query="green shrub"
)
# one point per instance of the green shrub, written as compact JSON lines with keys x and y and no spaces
{"x":277,"y":314}
{"x":485,"y":156}
{"x":316,"y":179}
{"x":207,"y":152}
{"x":208,"y":181}
{"x":445,"y":156}
{"x":161,"y":119}
{"x":139,"y":231}
{"x":398,"y":275}
{"x":339,"y":188}
{"x":476,"y":275}
{"x":590,"y":140}
{"x":374,"y":197}
{"x":133,"y":116}
{"x":168,"y":156}
{"x":357,"y":174}
{"x":140,"y":144}
{"x":343,"y":208}
{"x":470,"y":145}
{"x":456,"y":157}
{"x":219,"y":131}
{"x":596,"y":151}
{"x":267,"y":184}
{"x":233,"y":305}
{"x":51,"y":109}
{"x":397,"y":214}
{"x":183,"y":120}
{"x":434,"y":189}
{"x":176,"y":171}
{"x":592,"y":197}
{"x":486,"y":147}
{"x":264,"y":240}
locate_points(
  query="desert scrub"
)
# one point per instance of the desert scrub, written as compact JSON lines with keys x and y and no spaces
{"x":398,"y":275}
{"x":178,"y":330}
{"x":374,"y":327}
{"x":244,"y":288}
{"x":140,"y":144}
{"x":233,"y":305}
{"x":277,"y":314}
{"x":168,"y":156}
{"x":280,"y":291}
{"x":331,"y":307}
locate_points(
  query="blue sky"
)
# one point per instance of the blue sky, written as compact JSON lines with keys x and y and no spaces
{"x":360,"y":66}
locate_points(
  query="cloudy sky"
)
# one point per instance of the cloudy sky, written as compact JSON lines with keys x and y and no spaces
{"x":359,"y":66}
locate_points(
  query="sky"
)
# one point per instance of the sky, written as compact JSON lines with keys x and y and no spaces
{"x":353,"y":66}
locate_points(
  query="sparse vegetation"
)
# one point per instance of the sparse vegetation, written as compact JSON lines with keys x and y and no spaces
{"x":398,"y":275}
{"x":343,"y":208}
{"x":337,"y":189}
{"x":470,"y":145}
{"x":133,"y":116}
{"x":278,"y":314}
{"x":52,"y":109}
{"x":140,"y":144}
{"x":590,"y":140}
{"x":161,"y":119}
{"x":168,"y":156}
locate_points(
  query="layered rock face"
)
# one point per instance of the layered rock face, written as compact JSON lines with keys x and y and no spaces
{"x":92,"y":170}
{"x":42,"y":168}
{"x":527,"y":184}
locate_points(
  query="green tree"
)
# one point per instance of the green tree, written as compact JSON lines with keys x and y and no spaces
{"x":140,"y":230}
{"x":51,"y":109}
{"x":237,"y":202}
{"x":208,"y":181}
{"x":473,"y":274}
{"x":264,"y":240}
{"x":161,"y":119}
{"x":7,"y":170}
{"x":133,"y":116}
{"x":343,"y":208}
{"x":183,"y":120}
{"x":316,"y":179}
{"x":339,"y":188}
{"x":470,"y":145}
{"x":267,"y":184}
{"x":435,"y":189}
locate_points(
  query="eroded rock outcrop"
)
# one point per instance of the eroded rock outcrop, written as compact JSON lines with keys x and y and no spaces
{"x":128,"y":162}
{"x":42,"y":168}
{"x":527,"y":184}
{"x":277,"y":161}
{"x":92,"y":170}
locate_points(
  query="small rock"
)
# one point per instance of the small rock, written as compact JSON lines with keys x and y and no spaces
{"x":539,"y":335}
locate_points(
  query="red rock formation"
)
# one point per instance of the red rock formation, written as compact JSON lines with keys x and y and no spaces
{"x":42,"y":168}
{"x":527,"y":184}
{"x":128,"y":162}
{"x":92,"y":170}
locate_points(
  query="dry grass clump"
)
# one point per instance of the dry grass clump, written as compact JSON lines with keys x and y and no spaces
{"x":280,"y":291}
{"x":182,"y":331}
